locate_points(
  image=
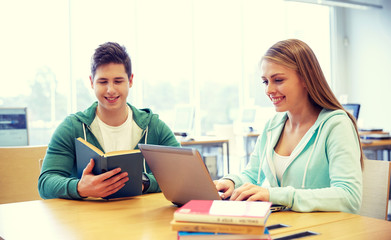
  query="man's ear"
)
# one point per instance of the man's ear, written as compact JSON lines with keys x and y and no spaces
{"x":131,"y":81}
{"x":92,"y":82}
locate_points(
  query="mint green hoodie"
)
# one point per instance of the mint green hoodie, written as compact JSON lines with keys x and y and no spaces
{"x":58,"y":178}
{"x":324,"y":173}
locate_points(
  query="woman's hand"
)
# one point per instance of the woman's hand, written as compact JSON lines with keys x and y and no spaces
{"x":102,"y":185}
{"x":250,"y":192}
{"x":225,"y":186}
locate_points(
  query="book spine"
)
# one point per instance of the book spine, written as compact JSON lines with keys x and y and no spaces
{"x":251,"y":221}
{"x":227,"y":228}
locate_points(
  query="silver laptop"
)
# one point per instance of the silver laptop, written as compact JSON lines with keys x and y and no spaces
{"x":182,"y":174}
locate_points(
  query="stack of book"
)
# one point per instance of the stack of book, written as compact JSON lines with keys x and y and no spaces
{"x":219,"y":219}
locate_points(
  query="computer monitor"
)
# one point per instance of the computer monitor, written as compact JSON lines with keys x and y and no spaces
{"x":184,"y":119}
{"x":247,"y":118}
{"x":13,"y":127}
{"x":352,"y":108}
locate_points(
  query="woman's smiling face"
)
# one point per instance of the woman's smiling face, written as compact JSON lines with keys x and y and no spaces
{"x":283,"y":86}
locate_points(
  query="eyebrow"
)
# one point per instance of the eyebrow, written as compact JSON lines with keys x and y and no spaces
{"x":116,"y":78}
{"x":272,"y":76}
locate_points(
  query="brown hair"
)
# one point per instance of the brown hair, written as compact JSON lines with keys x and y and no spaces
{"x":297,"y":55}
{"x":111,"y":52}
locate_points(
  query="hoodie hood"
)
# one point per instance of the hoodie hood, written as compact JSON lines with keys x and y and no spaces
{"x":280,"y":118}
{"x":308,"y":143}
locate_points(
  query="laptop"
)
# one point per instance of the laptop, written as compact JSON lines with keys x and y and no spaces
{"x":181,"y":174}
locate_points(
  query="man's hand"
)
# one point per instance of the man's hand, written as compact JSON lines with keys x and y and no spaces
{"x":102,"y":185}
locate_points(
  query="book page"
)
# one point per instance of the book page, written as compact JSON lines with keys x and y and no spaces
{"x":97,"y":150}
{"x":122,"y":152}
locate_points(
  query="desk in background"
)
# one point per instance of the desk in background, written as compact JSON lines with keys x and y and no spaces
{"x":148,"y":217}
{"x":209,"y":147}
{"x":375,"y":148}
{"x":378,"y":147}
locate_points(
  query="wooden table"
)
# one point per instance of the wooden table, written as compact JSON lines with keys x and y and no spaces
{"x":148,"y":217}
{"x":357,"y":228}
{"x":377,"y":144}
{"x":142,"y":217}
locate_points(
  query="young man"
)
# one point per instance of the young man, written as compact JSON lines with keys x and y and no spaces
{"x":110,"y":124}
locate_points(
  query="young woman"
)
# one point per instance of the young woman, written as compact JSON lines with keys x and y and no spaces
{"x":309,"y":156}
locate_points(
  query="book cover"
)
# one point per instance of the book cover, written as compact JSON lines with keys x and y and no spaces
{"x":216,"y":228}
{"x":182,"y":235}
{"x":130,"y":161}
{"x":225,"y":212}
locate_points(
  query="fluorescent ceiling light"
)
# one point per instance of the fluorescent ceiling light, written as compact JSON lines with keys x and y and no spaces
{"x":340,"y":3}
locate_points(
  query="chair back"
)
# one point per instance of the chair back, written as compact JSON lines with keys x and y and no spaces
{"x":376,"y":186}
{"x":19,"y":172}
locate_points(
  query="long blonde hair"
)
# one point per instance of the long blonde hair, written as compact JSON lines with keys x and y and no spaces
{"x":297,"y":55}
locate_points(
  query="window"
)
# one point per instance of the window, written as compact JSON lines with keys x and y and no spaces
{"x":34,"y":63}
{"x":196,"y":52}
{"x":91,"y":24}
{"x":307,"y":22}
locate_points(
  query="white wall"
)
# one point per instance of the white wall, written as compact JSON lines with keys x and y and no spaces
{"x":367,"y":50}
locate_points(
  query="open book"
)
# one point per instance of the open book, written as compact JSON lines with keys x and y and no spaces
{"x":130,"y":161}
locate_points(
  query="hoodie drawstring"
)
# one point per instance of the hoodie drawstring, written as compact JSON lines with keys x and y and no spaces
{"x":84,"y":131}
{"x":262,"y":158}
{"x":309,"y":157}
{"x":145,"y":141}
